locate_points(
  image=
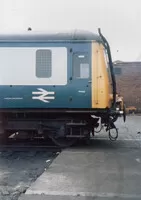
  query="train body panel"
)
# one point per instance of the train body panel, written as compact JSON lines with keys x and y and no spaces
{"x":100,"y":78}
{"x":21,"y":87}
{"x":53,"y":84}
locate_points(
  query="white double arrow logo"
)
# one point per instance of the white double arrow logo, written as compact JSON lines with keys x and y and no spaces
{"x":43,"y":95}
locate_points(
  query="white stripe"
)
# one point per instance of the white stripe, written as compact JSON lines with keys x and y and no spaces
{"x":81,"y":91}
{"x":43,"y":97}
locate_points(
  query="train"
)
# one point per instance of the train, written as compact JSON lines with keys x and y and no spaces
{"x":57,"y":85}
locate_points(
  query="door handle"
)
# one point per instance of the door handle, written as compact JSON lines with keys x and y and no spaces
{"x":90,"y":81}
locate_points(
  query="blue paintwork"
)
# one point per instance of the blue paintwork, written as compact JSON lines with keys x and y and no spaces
{"x":62,"y":93}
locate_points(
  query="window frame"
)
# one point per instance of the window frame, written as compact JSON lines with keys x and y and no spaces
{"x":81,"y":54}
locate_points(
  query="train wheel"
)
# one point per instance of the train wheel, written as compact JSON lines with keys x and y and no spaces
{"x":58,"y":136}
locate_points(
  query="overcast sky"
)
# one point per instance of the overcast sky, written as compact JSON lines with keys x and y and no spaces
{"x":120,"y":20}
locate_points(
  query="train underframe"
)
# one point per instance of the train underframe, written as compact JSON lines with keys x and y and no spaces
{"x":63,"y":127}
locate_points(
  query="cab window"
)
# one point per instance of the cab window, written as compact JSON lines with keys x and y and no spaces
{"x":81,"y":68}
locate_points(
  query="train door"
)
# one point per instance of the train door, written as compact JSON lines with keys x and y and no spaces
{"x":81,"y":80}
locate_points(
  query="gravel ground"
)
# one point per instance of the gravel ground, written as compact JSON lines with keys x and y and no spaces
{"x":19,"y":169}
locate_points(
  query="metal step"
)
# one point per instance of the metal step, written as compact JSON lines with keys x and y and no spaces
{"x":76,"y":124}
{"x":75,"y":136}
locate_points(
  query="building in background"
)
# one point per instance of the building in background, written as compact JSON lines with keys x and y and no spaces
{"x":128,"y":77}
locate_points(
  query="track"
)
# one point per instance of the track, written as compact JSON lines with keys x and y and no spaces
{"x":29,"y":145}
{"x":21,"y":148}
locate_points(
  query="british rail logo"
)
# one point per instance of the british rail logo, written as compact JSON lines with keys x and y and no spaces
{"x":43,"y":95}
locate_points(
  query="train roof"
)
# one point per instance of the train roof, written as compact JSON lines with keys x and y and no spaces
{"x":31,"y":36}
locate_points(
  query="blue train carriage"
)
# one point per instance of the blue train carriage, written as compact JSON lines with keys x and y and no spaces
{"x":57,"y":85}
